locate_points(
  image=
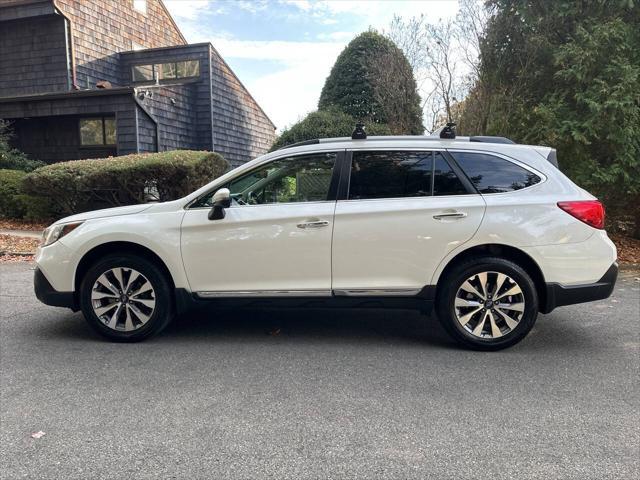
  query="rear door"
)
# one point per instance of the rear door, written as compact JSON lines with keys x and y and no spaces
{"x":399,"y":215}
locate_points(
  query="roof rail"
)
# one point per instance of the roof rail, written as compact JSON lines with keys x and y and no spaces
{"x":301,"y":144}
{"x":488,"y":139}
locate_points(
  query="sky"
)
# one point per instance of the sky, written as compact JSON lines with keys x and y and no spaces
{"x":283,"y":50}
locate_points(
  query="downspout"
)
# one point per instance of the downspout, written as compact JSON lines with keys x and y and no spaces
{"x":70,"y":47}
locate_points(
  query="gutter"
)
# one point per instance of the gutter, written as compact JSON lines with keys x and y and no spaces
{"x":70,"y":45}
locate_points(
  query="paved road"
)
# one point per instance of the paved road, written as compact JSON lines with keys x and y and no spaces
{"x":334,"y":395}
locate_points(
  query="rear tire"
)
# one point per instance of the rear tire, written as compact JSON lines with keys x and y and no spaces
{"x":487,"y":303}
{"x":126,"y":298}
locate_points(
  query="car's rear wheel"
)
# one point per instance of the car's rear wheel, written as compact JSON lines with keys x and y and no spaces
{"x":487,"y":303}
{"x":126,"y":298}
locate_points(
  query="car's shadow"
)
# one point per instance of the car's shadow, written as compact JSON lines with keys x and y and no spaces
{"x":287,"y":325}
{"x":325,"y":326}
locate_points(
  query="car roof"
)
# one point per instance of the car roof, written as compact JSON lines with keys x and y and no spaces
{"x":496,"y":144}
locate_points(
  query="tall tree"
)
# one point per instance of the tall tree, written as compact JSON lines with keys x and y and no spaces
{"x":372,"y":81}
{"x":566,"y":74}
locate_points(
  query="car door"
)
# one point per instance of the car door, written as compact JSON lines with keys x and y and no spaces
{"x":402,"y":213}
{"x":275,"y":238}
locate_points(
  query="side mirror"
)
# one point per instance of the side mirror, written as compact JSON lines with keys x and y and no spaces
{"x":221,"y":200}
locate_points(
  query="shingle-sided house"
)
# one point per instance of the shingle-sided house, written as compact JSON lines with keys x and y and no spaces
{"x":94,"y":78}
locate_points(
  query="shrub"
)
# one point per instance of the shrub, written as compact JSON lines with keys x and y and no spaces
{"x":11,"y":158}
{"x":10,"y":182}
{"x":324,"y":124}
{"x":82,"y":185}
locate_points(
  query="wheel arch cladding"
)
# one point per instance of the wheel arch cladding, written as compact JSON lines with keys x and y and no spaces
{"x":502,"y":251}
{"x":110,"y":248}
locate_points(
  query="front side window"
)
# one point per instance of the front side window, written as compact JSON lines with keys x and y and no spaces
{"x":491,"y":174}
{"x":304,"y":178}
{"x":98,"y":131}
{"x":401,"y":174}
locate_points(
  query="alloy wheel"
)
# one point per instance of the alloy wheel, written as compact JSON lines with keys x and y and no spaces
{"x":123,"y":299}
{"x":489,"y":305}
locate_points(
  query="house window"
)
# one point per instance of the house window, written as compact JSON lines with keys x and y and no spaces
{"x":185,"y":69}
{"x":140,"y":5}
{"x":166,"y":71}
{"x":142,"y":73}
{"x":97,"y":131}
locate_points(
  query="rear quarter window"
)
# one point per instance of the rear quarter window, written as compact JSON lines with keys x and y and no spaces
{"x":491,"y":174}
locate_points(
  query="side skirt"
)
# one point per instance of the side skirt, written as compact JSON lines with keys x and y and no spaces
{"x":394,"y":299}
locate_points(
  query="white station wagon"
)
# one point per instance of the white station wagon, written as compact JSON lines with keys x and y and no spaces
{"x":487,"y":232}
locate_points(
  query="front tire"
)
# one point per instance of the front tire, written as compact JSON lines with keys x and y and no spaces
{"x":487,"y":303}
{"x":126,"y":298}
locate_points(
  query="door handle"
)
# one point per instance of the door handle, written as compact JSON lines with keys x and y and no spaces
{"x":451,"y":215}
{"x":314,"y":224}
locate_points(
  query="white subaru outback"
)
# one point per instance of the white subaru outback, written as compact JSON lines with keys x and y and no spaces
{"x":486,"y":231}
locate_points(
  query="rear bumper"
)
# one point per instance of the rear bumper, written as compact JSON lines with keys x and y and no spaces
{"x":559,"y":295}
{"x":50,"y":296}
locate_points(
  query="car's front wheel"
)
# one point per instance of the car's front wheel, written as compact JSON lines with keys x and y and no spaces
{"x":487,"y":303}
{"x":126,"y":298}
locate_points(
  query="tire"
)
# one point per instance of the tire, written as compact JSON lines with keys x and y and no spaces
{"x":129,"y":318}
{"x":502,"y":318}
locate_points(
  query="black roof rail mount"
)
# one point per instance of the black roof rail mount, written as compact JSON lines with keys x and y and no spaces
{"x":449,"y":131}
{"x":359,"y":132}
{"x":488,"y":139}
{"x":301,"y":144}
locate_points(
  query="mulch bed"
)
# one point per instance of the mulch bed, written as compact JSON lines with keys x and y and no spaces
{"x":17,"y":249}
{"x":9,"y":224}
{"x":628,"y":248}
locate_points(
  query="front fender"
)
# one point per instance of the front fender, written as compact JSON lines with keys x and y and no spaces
{"x":159,"y":232}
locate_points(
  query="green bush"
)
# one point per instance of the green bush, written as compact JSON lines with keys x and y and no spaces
{"x":16,"y":204}
{"x":324,"y":124}
{"x":82,"y":185}
{"x":10,"y":158}
{"x":10,"y":183}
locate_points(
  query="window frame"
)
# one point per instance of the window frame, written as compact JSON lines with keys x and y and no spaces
{"x":542,"y":176}
{"x":103,"y":119}
{"x":156,"y":71}
{"x":331,"y":195}
{"x":343,"y":190}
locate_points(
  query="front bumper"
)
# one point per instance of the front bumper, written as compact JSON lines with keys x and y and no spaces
{"x":559,"y":295}
{"x":50,"y":296}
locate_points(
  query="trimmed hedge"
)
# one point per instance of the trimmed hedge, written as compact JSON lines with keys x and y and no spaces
{"x":10,"y":182}
{"x":15,"y":204}
{"x":82,"y":185}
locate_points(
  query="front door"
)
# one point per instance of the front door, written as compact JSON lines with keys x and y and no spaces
{"x":275,"y":239}
{"x":403,"y":213}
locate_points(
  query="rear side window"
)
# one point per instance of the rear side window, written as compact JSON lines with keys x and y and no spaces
{"x":401,"y":174}
{"x":491,"y":174}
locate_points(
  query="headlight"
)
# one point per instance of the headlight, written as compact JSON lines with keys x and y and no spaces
{"x":56,"y":232}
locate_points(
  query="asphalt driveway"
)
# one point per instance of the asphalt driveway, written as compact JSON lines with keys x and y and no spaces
{"x":318,"y":394}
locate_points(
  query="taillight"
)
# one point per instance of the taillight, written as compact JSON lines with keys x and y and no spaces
{"x":590,"y":212}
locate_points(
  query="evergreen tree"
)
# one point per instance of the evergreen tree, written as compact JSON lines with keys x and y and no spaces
{"x":373,"y":82}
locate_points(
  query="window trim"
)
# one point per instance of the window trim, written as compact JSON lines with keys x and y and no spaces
{"x":336,"y":177}
{"x":542,"y":176}
{"x":343,"y":190}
